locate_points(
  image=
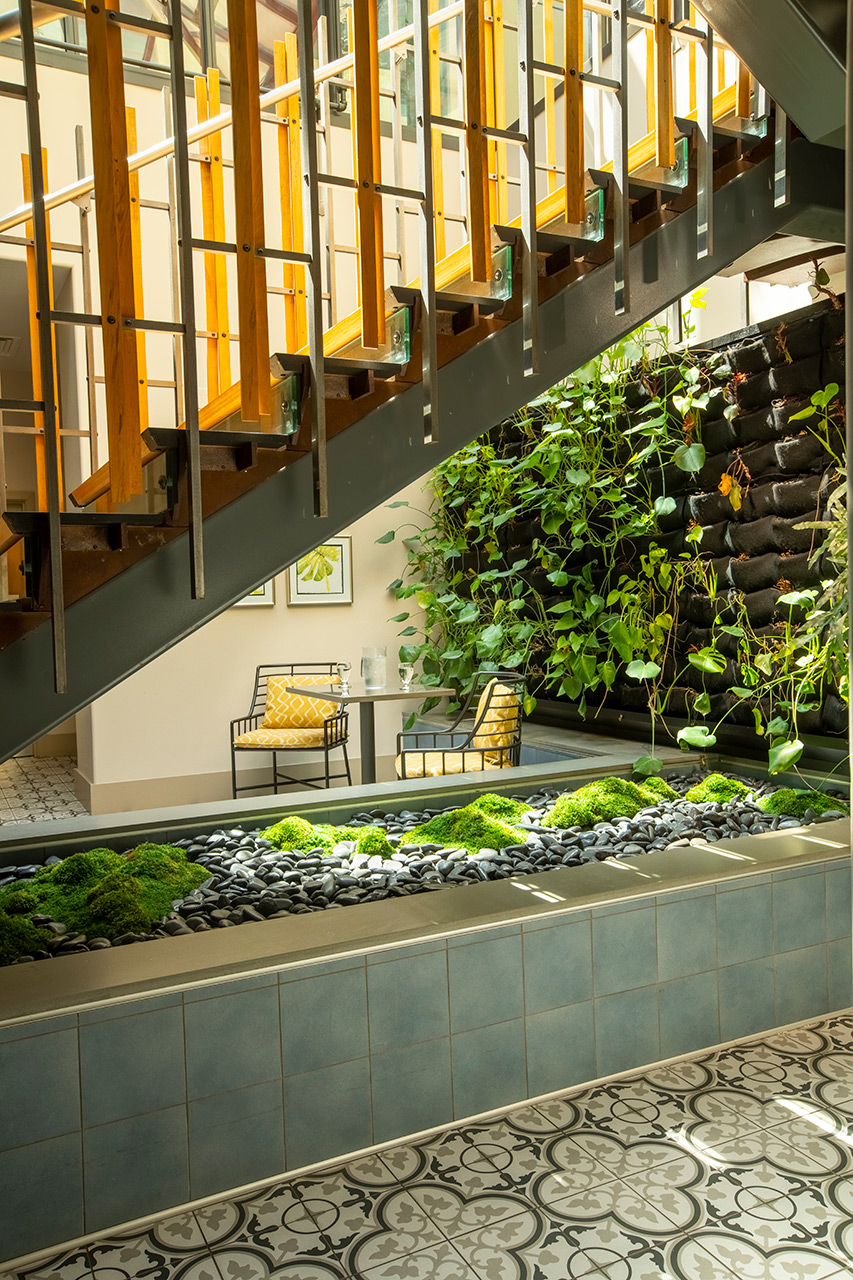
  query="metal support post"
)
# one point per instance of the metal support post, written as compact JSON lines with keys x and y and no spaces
{"x":781,"y":173}
{"x":314,"y":272}
{"x":527,"y":126}
{"x":187,"y":286}
{"x":705,"y":147}
{"x":621,"y":209}
{"x":51,"y":442}
{"x":426,"y":219}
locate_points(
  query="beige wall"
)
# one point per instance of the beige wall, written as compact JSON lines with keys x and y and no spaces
{"x":161,"y":737}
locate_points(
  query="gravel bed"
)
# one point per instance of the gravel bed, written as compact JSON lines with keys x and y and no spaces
{"x":251,"y":881}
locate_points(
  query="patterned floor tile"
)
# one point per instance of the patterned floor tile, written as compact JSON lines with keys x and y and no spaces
{"x":365,"y":1227}
{"x":750,"y":1259}
{"x":529,"y":1246}
{"x":273,"y":1224}
{"x":442,"y":1262}
{"x":173,"y":1249}
{"x":635,"y":1110}
{"x":236,"y":1262}
{"x":72,"y":1264}
{"x":454,"y":1160}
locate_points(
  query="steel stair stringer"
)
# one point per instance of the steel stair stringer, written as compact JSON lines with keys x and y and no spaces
{"x":134,"y":617}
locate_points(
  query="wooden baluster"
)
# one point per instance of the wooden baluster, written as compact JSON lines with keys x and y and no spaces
{"x":744,"y":91}
{"x":499,"y":108}
{"x":664,"y":113}
{"x":491,"y":147}
{"x":368,"y":172}
{"x":693,"y":100}
{"x":721,"y":69}
{"x":35,"y":359}
{"x":437,"y":150}
{"x":290,"y":181}
{"x":255,"y":398}
{"x":136,"y":250}
{"x":575,"y":162}
{"x":213,"y":228}
{"x":650,"y":68}
{"x":115,"y":251}
{"x":550,"y":99}
{"x":479,"y":227}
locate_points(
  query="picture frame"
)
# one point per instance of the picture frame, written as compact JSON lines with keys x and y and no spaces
{"x":323,"y":576}
{"x":262,"y":596}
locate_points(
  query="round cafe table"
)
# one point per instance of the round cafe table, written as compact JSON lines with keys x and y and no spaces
{"x":367,"y":698}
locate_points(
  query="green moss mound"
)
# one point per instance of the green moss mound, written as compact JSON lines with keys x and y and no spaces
{"x":502,"y":807}
{"x":300,"y":836}
{"x":104,"y":894}
{"x":607,"y":799}
{"x":467,"y":828}
{"x":20,"y":937}
{"x":373,"y":842}
{"x":717,"y":788}
{"x":793,"y":802}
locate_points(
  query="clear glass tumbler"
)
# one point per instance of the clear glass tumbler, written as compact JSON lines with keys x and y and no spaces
{"x":373,"y":666}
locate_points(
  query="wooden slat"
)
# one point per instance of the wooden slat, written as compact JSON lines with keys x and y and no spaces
{"x":499,"y":108}
{"x":721,"y":69}
{"x":136,"y":250}
{"x":368,"y":172}
{"x":550,"y":97}
{"x":290,"y":186}
{"x":479,"y":227}
{"x":664,"y":113}
{"x":213,"y":228}
{"x":115,"y":255}
{"x":691,"y":75}
{"x":551,"y":208}
{"x":650,"y":69}
{"x":575,"y":163}
{"x":744,"y":91}
{"x":253,"y":324}
{"x":35,"y":348}
{"x":437,"y":149}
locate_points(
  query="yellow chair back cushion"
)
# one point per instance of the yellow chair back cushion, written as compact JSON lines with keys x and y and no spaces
{"x":499,"y":709}
{"x":285,"y":710}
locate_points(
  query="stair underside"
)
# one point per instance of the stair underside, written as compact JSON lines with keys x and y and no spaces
{"x":143,"y":611}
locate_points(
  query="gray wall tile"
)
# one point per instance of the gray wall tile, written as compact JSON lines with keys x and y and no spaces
{"x":489,"y":1068}
{"x":406,"y":953}
{"x":232,"y":1041}
{"x":626,"y":1031}
{"x":411,"y":1089}
{"x":687,"y":937}
{"x":37,"y":1027}
{"x":838,"y":914}
{"x":327,"y":1113}
{"x":135,"y":1167}
{"x":41,"y":1193}
{"x":39,"y":1088}
{"x":485,"y":982}
{"x":799,"y":912}
{"x":298,"y":972}
{"x":557,"y":966}
{"x":801,"y":985}
{"x":560,"y":1048}
{"x":840,"y":975}
{"x":746,"y":998}
{"x":745,"y":924}
{"x":688,"y":1014}
{"x":215,"y":989}
{"x":129,"y":1008}
{"x":131,"y":1065}
{"x":624,"y":951}
{"x":323,"y":1020}
{"x":235,"y":1138}
{"x":407,"y":1000}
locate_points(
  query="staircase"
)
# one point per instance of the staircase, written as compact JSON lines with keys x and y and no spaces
{"x":244,"y":487}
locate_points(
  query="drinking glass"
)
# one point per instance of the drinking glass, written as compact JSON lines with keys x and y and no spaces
{"x":407,"y":673}
{"x":373,"y":666}
{"x":343,"y":669}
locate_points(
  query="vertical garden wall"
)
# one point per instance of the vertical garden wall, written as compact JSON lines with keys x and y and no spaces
{"x":665,"y":531}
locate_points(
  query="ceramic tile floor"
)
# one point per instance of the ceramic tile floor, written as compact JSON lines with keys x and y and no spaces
{"x":37,"y":790}
{"x":736,"y":1163}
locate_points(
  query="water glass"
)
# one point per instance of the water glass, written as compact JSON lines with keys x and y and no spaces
{"x":407,"y":673}
{"x":373,"y":666}
{"x":343,"y":669}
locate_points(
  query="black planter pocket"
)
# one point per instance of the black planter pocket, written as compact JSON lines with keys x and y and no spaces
{"x":759,"y":501}
{"x":754,"y":428}
{"x":798,"y":497}
{"x":719,"y":436}
{"x":709,"y":508}
{"x":754,"y":392}
{"x":801,"y":453}
{"x":800,"y":338}
{"x":800,"y":378}
{"x":755,"y":572}
{"x":750,"y":357}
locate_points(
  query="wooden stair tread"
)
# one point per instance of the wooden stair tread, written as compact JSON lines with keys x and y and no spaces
{"x":163,"y":438}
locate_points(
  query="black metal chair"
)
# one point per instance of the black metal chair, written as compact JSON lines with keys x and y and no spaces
{"x":279,"y":721}
{"x":493,"y":743}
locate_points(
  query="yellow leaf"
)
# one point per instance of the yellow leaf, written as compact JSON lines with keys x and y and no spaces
{"x":725,"y":485}
{"x":736,"y":496}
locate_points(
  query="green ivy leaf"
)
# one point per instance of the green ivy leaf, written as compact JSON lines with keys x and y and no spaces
{"x":400,"y":617}
{"x":702,"y":705}
{"x":647,"y":765}
{"x":607,"y":670}
{"x":490,"y":638}
{"x":707,"y":660}
{"x":784,"y":755}
{"x":663,"y":507}
{"x":696,"y":735}
{"x":777,"y":725}
{"x":620,"y":637}
{"x":639,"y":670}
{"x":395,"y":585}
{"x":467,"y":614}
{"x":392,"y":505}
{"x":689,"y":457}
{"x":529,"y":705}
{"x":387,"y":537}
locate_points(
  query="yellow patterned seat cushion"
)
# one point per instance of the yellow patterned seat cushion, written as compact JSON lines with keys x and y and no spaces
{"x":501,"y":709}
{"x":435,"y":764}
{"x":285,"y":710}
{"x":269,"y":739}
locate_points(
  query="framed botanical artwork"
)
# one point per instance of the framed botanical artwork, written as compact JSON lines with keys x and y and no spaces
{"x":324,"y":575}
{"x":262,"y":595}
